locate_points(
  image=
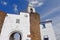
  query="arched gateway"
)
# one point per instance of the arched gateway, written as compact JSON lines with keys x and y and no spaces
{"x":15,"y":36}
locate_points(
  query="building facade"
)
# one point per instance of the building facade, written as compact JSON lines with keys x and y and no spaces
{"x":47,"y":32}
{"x":27,"y":25}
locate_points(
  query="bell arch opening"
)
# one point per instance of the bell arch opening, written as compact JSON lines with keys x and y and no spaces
{"x":15,"y":36}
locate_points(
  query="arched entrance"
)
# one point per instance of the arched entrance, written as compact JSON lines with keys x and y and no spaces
{"x":15,"y":36}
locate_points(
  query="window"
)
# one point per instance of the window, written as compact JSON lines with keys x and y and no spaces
{"x":44,"y":26}
{"x":46,"y":37}
{"x":17,"y":21}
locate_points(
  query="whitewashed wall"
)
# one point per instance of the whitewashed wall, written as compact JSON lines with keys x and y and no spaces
{"x":11,"y":26}
{"x":23,"y":27}
{"x":48,"y":31}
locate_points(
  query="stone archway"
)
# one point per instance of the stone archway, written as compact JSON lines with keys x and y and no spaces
{"x":15,"y":36}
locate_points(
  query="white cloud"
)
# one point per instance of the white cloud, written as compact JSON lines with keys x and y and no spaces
{"x":36,"y":3}
{"x":3,"y":2}
{"x":50,"y":12}
{"x":15,"y":8}
{"x":40,"y":4}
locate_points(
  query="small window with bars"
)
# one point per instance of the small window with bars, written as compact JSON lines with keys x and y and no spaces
{"x":43,"y":26}
{"x":17,"y":20}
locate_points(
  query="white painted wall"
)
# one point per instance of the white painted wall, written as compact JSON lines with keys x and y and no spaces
{"x":11,"y":26}
{"x":23,"y":27}
{"x":47,"y":31}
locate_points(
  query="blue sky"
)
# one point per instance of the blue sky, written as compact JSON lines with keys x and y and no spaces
{"x":49,"y":10}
